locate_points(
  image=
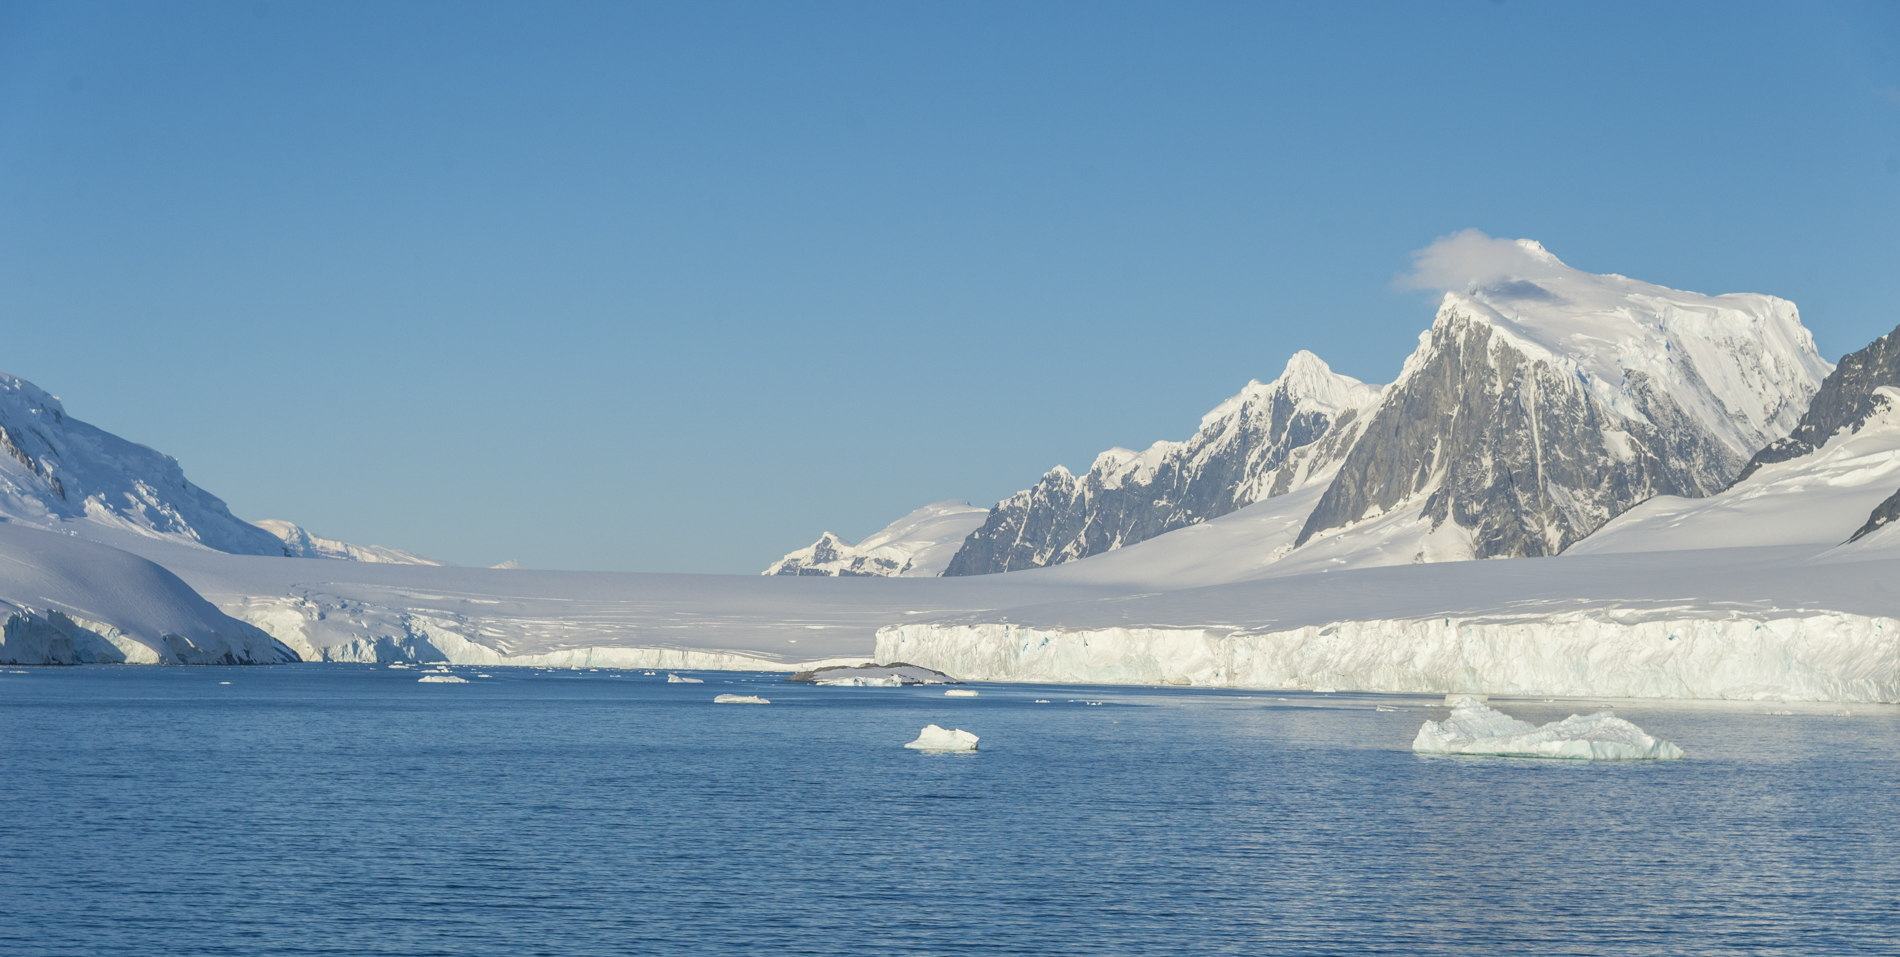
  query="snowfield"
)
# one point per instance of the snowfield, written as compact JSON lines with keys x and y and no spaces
{"x":70,"y":601}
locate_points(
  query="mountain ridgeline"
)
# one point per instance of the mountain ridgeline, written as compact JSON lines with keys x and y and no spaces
{"x":1844,"y":401}
{"x":1538,"y":406}
{"x":1268,"y":440}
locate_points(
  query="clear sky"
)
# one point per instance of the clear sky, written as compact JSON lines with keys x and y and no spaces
{"x":678,"y":287}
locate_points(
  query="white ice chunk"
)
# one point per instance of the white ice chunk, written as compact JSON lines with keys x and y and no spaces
{"x":959,"y":693}
{"x":740,"y":699}
{"x":677,"y":680}
{"x":933,"y":738}
{"x":1474,"y":728}
{"x":442,"y":680}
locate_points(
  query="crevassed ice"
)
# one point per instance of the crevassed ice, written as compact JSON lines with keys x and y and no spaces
{"x":1474,"y":728}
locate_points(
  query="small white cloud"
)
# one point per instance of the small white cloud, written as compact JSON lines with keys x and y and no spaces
{"x":1470,"y":259}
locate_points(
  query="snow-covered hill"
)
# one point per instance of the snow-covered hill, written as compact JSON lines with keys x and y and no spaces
{"x":299,"y":543}
{"x":58,"y":472}
{"x":918,"y":545}
{"x":1269,"y":439}
{"x":1544,"y":404}
{"x":66,"y":600}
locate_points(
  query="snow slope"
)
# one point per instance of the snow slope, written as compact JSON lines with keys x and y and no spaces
{"x":918,"y":545}
{"x":1820,"y":498}
{"x":299,"y":543}
{"x":67,"y":600}
{"x":60,"y":473}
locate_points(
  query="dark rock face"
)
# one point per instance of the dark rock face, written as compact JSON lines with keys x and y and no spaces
{"x":1844,"y":401}
{"x":1882,"y":515}
{"x":1264,"y":442}
{"x":1515,"y":450}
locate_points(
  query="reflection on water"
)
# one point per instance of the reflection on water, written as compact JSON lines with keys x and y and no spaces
{"x":344,"y":809}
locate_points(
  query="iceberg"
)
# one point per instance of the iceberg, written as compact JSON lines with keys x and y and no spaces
{"x":1474,"y":728}
{"x":959,"y":693}
{"x":442,"y":680}
{"x":677,"y":680}
{"x":933,"y":738}
{"x":740,"y":699}
{"x":886,"y":676}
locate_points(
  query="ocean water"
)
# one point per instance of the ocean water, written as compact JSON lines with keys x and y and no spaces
{"x":348,"y":809}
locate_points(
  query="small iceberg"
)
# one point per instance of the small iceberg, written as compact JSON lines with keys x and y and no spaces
{"x":740,"y":699}
{"x":677,"y":680}
{"x":933,"y":738}
{"x":442,"y":680}
{"x":889,"y":681}
{"x":959,"y":693}
{"x":1474,"y":728}
{"x":874,"y":676}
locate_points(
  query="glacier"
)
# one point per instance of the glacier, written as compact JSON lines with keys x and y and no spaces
{"x":1765,"y":623}
{"x":1475,"y":729}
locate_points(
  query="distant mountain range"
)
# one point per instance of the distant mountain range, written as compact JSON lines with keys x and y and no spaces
{"x":1536,"y":410}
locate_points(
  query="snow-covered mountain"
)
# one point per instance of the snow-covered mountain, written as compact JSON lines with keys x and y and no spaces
{"x":299,"y":543}
{"x":1269,"y":439}
{"x":1542,"y":405}
{"x":59,"y":472}
{"x":1831,"y":481}
{"x":918,"y":545}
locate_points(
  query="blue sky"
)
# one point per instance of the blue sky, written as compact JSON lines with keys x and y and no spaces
{"x":675,"y":288}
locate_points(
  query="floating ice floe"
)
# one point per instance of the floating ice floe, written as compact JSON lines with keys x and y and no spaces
{"x":959,"y":693}
{"x":1474,"y":728}
{"x":740,"y":699}
{"x":677,"y":680}
{"x":398,"y":665}
{"x":442,"y":680}
{"x":933,"y":738}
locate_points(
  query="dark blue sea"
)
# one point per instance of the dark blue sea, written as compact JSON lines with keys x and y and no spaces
{"x":349,"y":809}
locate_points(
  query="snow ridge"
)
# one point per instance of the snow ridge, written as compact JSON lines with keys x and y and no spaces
{"x":58,"y":471}
{"x":1266,"y":440}
{"x":918,"y":545}
{"x":299,"y":543}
